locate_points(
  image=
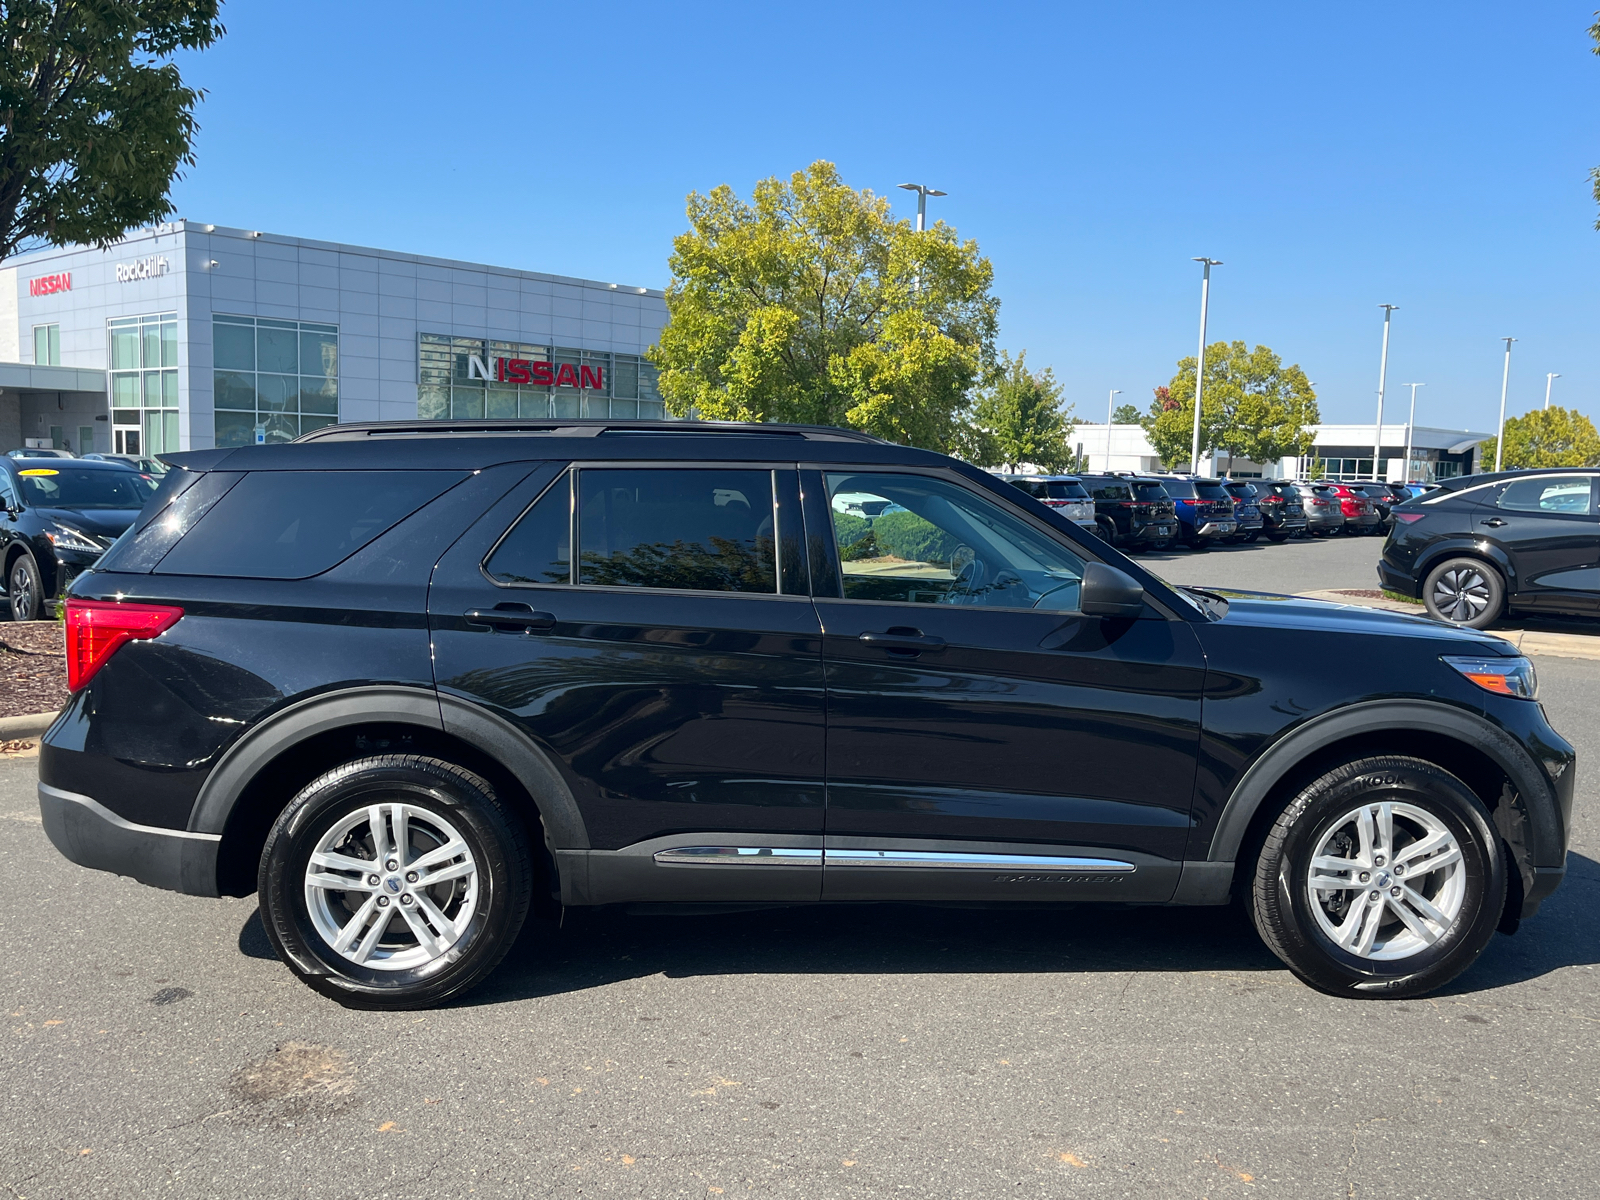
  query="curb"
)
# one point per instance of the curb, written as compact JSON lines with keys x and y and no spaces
{"x":26,"y":726}
{"x":1557,"y":645}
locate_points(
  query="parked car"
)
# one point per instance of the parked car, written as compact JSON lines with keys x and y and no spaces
{"x":1324,"y":510}
{"x":1360,"y":517}
{"x":1204,"y":509}
{"x":1247,"y":514}
{"x":56,"y":519}
{"x":39,"y":452}
{"x":1281,"y":508}
{"x":1132,"y":511}
{"x":1482,"y":546}
{"x":1065,"y":493}
{"x":139,"y":462}
{"x":408,"y":686}
{"x":1383,"y":500}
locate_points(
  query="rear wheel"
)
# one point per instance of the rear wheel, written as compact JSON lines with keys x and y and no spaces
{"x":1249,"y":538}
{"x":1464,"y":591}
{"x":1108,"y":532}
{"x":1278,"y":537}
{"x":394,"y":882}
{"x":1384,"y":878}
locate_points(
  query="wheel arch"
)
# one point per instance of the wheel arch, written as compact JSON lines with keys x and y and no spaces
{"x":260,"y":773}
{"x":1465,"y":547}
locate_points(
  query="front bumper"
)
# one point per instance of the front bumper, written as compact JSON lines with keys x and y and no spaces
{"x":91,"y":835}
{"x":1396,"y":581}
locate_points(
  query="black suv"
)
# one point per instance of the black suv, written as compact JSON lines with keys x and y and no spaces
{"x":1281,"y":509}
{"x":1479,"y":546}
{"x":57,"y":515}
{"x":410,"y":682}
{"x":1132,"y":511}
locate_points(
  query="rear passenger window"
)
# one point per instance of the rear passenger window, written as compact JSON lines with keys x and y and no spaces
{"x":537,"y":550}
{"x":1565,"y":494}
{"x":700,"y":529}
{"x":295,"y":524}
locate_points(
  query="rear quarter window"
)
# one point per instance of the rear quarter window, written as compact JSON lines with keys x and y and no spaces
{"x":295,"y":524}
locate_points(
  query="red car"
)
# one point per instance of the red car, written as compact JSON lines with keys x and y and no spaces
{"x":1360,"y":516}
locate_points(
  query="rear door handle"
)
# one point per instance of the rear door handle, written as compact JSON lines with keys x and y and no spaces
{"x":905,"y":641}
{"x":512,"y":618}
{"x":1496,"y":522}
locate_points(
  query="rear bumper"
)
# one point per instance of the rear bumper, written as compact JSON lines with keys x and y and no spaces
{"x":1211,"y":529}
{"x":91,"y":835}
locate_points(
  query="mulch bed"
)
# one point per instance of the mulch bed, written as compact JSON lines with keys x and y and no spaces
{"x":33,"y":667}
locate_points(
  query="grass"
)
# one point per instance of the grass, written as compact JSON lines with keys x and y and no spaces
{"x":1402,"y":597}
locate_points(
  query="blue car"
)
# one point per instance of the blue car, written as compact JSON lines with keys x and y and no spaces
{"x":1203,"y":508}
{"x":1246,"y":509}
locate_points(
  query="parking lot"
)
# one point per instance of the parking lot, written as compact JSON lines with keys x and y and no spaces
{"x":157,"y":1049}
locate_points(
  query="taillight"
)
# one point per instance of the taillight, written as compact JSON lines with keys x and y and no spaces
{"x":96,"y":628}
{"x":1407,"y":518}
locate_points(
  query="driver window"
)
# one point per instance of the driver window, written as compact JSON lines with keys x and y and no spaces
{"x":917,"y":540}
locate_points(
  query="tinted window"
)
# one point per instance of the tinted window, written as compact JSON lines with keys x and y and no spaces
{"x":8,"y":498}
{"x":1562,"y":494}
{"x":935,"y":543}
{"x":294,"y":524}
{"x":81,"y":487}
{"x":707,"y":530}
{"x":1150,"y":492}
{"x":537,"y":548}
{"x":1112,"y":491}
{"x":1181,"y":489}
{"x":1207,"y":490}
{"x":1241,"y":491}
{"x":1062,"y":489}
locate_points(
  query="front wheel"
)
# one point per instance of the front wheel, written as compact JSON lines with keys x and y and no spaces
{"x":394,"y":882}
{"x":1464,"y":591}
{"x":1384,"y":878}
{"x":25,"y":590}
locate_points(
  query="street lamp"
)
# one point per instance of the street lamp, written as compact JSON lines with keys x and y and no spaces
{"x":1115,"y":392}
{"x":1383,"y":371}
{"x":923,"y":191}
{"x":1410,"y":423}
{"x":1549,"y":378}
{"x":1200,"y":362}
{"x":1500,"y":434}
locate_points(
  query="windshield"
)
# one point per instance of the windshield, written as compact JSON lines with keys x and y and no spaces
{"x":1242,"y":491}
{"x":1112,"y":491}
{"x":1209,"y":490}
{"x":1179,"y":489}
{"x":81,"y":487}
{"x":1150,"y":492}
{"x":1065,"y":489}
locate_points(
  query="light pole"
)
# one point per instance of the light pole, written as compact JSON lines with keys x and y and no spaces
{"x":1500,"y":433}
{"x":923,"y":191}
{"x":1200,"y":362}
{"x":1115,"y":392}
{"x":1383,"y":371}
{"x":1410,"y":422}
{"x":1549,"y":378}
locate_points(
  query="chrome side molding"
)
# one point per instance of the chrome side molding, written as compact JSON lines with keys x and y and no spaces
{"x":789,"y":856}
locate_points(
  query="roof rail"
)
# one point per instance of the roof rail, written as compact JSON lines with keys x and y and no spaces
{"x":578,"y":427}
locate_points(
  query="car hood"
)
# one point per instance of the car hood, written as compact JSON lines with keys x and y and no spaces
{"x":1272,"y":611}
{"x":105,"y":522}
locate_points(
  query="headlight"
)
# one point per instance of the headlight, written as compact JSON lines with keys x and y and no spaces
{"x":64,"y":537}
{"x":1502,"y":676}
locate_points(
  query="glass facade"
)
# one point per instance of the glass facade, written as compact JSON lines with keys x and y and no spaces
{"x":280,"y":375}
{"x":144,"y":383}
{"x":582,"y":383}
{"x":47,"y":345}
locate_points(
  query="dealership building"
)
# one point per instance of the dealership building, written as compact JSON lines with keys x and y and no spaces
{"x":186,"y":336}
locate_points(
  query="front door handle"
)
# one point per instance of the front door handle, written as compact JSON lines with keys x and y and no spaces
{"x":512,"y":618}
{"x":1496,"y":522}
{"x":904,"y":640}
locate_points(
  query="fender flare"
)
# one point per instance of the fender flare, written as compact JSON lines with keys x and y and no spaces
{"x":1538,"y":803}
{"x":492,"y":735}
{"x":1465,"y":546}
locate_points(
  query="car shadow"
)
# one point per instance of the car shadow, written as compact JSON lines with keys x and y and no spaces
{"x":593,"y":948}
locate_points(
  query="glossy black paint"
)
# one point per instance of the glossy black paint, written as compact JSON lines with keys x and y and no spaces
{"x":634,"y":716}
{"x":1550,"y":561}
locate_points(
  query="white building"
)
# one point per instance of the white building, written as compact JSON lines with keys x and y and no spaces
{"x":1341,"y":452}
{"x":186,"y":336}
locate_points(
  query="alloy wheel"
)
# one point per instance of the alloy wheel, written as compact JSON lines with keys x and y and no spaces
{"x":22,"y":591}
{"x":1461,"y":593}
{"x":1387,"y":881}
{"x":391,"y":887}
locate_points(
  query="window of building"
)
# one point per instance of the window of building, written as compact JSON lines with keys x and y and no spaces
{"x":465,"y":378}
{"x":47,"y":345}
{"x":144,"y":384}
{"x":280,"y":375}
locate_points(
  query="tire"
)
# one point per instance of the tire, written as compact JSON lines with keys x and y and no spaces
{"x":1327,"y":935}
{"x":1277,"y":538}
{"x":1108,"y":532}
{"x":1464,"y":591}
{"x":1250,"y":539}
{"x":25,"y":589}
{"x":1196,"y":543}
{"x":472,"y":916}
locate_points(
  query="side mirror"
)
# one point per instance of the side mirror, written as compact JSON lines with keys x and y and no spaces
{"x":1108,"y":592}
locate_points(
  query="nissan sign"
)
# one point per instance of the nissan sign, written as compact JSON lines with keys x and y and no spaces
{"x":535,"y":373}
{"x":47,"y":284}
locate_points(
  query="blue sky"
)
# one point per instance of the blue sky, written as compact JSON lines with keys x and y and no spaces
{"x":1334,"y":157}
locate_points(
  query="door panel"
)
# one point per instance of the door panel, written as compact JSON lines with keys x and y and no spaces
{"x":1548,"y":527}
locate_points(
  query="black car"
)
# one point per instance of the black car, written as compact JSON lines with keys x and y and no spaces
{"x":410,"y":683}
{"x":57,"y":515}
{"x":1382,"y":497}
{"x":1282,"y":509}
{"x":1132,"y":511}
{"x":1480,"y":546}
{"x":1249,"y":520}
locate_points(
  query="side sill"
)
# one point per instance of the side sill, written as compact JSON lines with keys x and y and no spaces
{"x":91,"y":835}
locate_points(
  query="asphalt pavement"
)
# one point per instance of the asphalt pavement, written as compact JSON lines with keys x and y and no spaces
{"x":156,"y":1049}
{"x":1298,"y":565}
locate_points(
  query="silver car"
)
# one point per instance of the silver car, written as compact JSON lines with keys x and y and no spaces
{"x":1064,"y":493}
{"x":1324,"y":513}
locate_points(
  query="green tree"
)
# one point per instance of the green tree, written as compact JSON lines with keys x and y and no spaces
{"x":1548,"y":437}
{"x":814,"y":304}
{"x":1020,"y":420}
{"x":1254,"y":407}
{"x":1126,"y":414}
{"x":94,"y":121}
